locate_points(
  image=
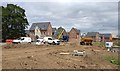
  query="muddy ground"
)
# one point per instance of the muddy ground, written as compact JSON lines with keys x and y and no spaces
{"x":31,"y":56}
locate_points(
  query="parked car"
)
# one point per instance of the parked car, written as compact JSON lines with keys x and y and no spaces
{"x":50,"y":40}
{"x":39,"y":41}
{"x":22,"y":40}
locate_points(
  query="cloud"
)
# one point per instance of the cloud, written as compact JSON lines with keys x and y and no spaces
{"x":86,"y":16}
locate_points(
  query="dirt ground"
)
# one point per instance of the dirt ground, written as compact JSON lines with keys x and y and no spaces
{"x":31,"y":56}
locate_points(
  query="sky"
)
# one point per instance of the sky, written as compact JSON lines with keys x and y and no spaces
{"x":86,"y":16}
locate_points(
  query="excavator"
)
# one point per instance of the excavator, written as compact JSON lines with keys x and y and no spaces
{"x":86,"y":41}
{"x":65,"y":38}
{"x":60,"y":34}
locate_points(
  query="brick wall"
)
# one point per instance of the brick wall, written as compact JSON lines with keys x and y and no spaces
{"x":49,"y":30}
{"x":74,"y":36}
{"x":97,"y":37}
{"x":32,"y":35}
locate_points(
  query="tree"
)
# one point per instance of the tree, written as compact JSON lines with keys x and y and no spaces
{"x":14,"y":21}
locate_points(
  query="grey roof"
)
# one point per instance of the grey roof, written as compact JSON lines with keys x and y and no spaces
{"x":41,"y":25}
{"x":78,"y":31}
{"x":106,"y":35}
{"x":60,"y":29}
{"x":91,"y":33}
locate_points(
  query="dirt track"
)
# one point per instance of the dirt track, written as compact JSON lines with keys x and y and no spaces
{"x":29,"y":56}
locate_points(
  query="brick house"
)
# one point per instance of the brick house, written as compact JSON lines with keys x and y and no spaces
{"x":40,"y":30}
{"x":74,"y":35}
{"x":115,"y":39}
{"x":54,"y":30}
{"x":105,"y":37}
{"x":93,"y":35}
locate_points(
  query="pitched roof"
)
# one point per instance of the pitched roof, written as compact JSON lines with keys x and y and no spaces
{"x":91,"y":33}
{"x":60,"y":29}
{"x":106,"y":35}
{"x":77,"y":31}
{"x":41,"y":25}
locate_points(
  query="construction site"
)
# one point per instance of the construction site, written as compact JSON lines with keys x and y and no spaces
{"x":67,"y":51}
{"x":62,"y":50}
{"x":30,"y":56}
{"x":67,"y":43}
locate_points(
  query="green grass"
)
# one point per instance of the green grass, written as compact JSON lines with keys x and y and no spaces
{"x":113,"y":60}
{"x":99,"y":44}
{"x":116,"y":44}
{"x":102,"y":44}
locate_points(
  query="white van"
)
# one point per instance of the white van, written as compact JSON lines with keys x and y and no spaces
{"x":39,"y":41}
{"x":22,"y":40}
{"x":50,"y":40}
{"x":45,"y":39}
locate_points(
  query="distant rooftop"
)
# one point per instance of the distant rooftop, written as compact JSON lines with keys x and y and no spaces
{"x":91,"y":33}
{"x":41,"y":25}
{"x":106,"y":34}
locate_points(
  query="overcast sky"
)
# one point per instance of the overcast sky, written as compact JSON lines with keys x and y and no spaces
{"x":85,"y":16}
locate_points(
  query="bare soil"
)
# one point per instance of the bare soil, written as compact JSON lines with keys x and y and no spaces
{"x":31,"y":56}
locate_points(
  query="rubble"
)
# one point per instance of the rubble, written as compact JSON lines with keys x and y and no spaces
{"x":64,"y":53}
{"x":29,"y":56}
{"x":79,"y":53}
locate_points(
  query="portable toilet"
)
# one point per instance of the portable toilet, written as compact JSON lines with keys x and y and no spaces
{"x":108,"y":45}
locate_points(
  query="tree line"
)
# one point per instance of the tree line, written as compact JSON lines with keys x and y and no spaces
{"x":14,"y":21}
